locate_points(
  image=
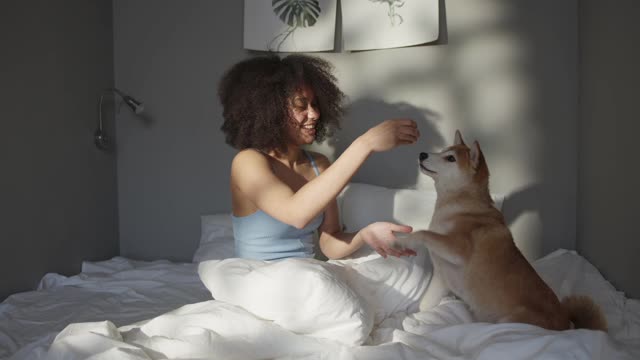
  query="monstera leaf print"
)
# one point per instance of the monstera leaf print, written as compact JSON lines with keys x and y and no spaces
{"x":297,"y":13}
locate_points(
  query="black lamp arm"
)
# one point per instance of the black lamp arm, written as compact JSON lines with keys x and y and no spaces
{"x":137,"y":107}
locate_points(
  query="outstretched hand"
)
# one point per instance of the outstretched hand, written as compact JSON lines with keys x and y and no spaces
{"x":380,"y":236}
{"x":391,"y":133}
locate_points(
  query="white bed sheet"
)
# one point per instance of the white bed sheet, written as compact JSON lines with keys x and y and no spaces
{"x":119,"y":289}
{"x":214,"y":329}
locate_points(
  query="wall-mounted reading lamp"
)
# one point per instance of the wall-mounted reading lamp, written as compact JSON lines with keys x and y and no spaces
{"x":100,"y":138}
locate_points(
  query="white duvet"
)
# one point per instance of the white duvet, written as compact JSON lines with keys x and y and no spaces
{"x":304,"y":309}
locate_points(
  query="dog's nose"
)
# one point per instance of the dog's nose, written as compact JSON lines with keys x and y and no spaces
{"x":423,"y":156}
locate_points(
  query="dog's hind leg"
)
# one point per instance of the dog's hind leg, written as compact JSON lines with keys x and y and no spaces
{"x":526,"y":316}
{"x":520,"y":315}
{"x":435,"y":292}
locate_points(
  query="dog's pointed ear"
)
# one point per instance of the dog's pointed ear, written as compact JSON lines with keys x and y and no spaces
{"x":477,"y":157}
{"x":458,"y":139}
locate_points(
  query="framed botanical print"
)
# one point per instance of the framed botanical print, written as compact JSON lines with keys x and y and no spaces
{"x":289,"y":25}
{"x":380,"y":24}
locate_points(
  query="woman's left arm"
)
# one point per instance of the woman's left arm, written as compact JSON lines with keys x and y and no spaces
{"x":336,"y":244}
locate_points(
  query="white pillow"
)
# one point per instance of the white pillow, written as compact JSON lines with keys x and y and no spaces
{"x":215,"y":226}
{"x":216,"y":238}
{"x":362,"y":204}
{"x":302,"y":295}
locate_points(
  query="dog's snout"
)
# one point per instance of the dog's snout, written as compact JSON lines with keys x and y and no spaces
{"x":423,"y":156}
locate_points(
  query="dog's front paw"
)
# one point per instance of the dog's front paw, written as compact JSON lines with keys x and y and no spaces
{"x":412,"y":240}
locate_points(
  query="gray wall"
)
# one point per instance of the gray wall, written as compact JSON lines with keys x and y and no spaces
{"x":173,"y":166}
{"x":609,"y":125}
{"x":58,"y":193}
{"x":507,"y":76}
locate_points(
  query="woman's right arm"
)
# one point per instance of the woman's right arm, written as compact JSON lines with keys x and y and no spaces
{"x":251,"y":174}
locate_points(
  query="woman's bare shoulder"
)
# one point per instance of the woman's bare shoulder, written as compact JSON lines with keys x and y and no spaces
{"x":249,"y":159}
{"x":250,"y":155}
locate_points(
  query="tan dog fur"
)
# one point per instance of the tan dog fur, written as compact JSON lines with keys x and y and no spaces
{"x":474,"y":255}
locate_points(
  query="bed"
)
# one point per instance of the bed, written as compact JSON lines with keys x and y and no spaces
{"x":363,"y":307}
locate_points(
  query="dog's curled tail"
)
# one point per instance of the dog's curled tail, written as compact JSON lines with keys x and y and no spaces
{"x":584,"y":313}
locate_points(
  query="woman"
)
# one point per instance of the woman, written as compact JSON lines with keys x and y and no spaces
{"x":282,"y":194}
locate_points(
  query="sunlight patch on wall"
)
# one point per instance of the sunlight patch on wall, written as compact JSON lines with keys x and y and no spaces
{"x":491,"y":71}
{"x":529,"y":223}
{"x":484,"y":55}
{"x":505,"y":172}
{"x":496,"y":103}
{"x":495,"y":87}
{"x":476,"y":16}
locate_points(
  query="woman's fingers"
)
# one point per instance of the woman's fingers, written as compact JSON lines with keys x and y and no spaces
{"x":408,"y":134}
{"x":384,"y":252}
{"x":400,"y":228}
{"x":407,"y":137}
{"x":409,"y":252}
{"x":380,"y":236}
{"x":410,"y":130}
{"x":381,"y":252}
{"x":400,"y":251}
{"x":394,"y":252}
{"x":405,"y":122}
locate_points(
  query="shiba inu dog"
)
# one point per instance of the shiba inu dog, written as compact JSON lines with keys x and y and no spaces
{"x":474,"y":255}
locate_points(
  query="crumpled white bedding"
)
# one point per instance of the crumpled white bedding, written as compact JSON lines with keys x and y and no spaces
{"x":217,"y":329}
{"x":341,"y":300}
{"x":119,"y":289}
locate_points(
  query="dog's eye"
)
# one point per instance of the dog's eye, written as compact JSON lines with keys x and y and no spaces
{"x":450,"y":158}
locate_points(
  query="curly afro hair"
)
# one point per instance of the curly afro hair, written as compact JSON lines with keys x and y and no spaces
{"x":255,"y":97}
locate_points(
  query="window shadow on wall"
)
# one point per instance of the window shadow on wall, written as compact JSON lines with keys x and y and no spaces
{"x":398,"y":167}
{"x":528,"y":201}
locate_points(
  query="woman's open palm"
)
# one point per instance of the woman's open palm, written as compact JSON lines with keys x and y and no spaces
{"x":380,"y":236}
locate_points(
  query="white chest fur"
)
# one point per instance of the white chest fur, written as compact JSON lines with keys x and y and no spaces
{"x":451,"y":273}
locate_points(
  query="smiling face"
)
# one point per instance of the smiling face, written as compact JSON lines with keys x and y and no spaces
{"x":304,"y":114}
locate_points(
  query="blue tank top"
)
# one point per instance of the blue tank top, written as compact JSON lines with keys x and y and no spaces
{"x":260,"y":236}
